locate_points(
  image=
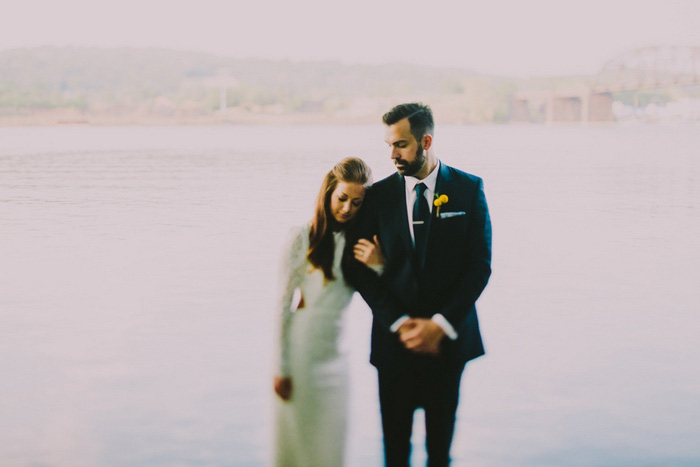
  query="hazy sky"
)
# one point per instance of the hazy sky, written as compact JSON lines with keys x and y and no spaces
{"x":518,"y":37}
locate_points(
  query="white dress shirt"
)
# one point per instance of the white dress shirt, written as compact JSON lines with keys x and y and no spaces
{"x":430,"y":182}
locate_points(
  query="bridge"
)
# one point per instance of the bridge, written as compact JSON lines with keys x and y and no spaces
{"x":640,"y":69}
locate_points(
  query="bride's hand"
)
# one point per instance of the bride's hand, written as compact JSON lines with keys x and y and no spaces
{"x":283,"y":387}
{"x":369,"y":253}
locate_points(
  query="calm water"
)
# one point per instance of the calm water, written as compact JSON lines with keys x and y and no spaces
{"x":137,"y":282}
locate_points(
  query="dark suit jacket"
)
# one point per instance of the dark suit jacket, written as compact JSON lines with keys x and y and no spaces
{"x":448,"y":280}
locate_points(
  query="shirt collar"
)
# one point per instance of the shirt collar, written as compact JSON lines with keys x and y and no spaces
{"x":430,"y":181}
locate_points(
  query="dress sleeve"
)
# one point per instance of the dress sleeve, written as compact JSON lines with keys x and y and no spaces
{"x":291,"y":273}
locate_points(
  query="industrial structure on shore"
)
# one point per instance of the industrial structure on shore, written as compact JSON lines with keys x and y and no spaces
{"x":650,"y":68}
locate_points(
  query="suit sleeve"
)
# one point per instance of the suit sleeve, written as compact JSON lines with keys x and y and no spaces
{"x":386,"y":307}
{"x":477,"y":268}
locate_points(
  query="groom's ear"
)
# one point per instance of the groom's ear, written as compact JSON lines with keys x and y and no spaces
{"x":426,"y":142}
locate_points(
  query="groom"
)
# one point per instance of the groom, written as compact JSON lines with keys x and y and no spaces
{"x":433,"y":226}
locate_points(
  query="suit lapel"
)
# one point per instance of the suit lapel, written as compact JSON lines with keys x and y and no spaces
{"x":398,"y":207}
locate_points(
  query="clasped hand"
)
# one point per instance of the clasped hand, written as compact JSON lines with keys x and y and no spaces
{"x":418,"y":335}
{"x":421,"y":335}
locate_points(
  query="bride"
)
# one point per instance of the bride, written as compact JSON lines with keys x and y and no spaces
{"x":312,"y":376}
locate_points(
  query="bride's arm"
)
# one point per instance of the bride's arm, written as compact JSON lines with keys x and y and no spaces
{"x":292,"y":268}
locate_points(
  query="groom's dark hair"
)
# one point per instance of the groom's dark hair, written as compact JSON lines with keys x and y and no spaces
{"x":420,"y":117}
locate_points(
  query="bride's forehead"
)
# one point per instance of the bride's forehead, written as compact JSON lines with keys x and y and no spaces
{"x":354,"y":190}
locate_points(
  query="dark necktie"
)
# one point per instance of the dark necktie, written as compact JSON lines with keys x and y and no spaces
{"x":421,"y":217}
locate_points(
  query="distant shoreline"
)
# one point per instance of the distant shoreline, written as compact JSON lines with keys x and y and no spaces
{"x":75,"y":118}
{"x":236,"y":117}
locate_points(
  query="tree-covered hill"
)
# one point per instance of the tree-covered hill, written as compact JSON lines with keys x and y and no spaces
{"x":145,"y":83}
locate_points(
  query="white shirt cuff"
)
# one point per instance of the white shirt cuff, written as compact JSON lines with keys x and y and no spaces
{"x":397,"y":324}
{"x":378,"y":268}
{"x":445,"y":325}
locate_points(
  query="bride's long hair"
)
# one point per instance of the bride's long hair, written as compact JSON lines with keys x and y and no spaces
{"x":323,"y":224}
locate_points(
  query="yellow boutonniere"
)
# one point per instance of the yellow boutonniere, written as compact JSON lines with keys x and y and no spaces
{"x":439,"y":201}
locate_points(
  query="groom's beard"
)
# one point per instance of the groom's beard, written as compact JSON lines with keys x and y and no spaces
{"x":411,"y":168}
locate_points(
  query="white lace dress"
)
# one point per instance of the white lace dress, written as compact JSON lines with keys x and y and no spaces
{"x":311,"y":426}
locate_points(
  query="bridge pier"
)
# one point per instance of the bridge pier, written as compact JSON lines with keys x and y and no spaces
{"x":581,"y":106}
{"x":566,"y":110}
{"x":600,"y":109}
